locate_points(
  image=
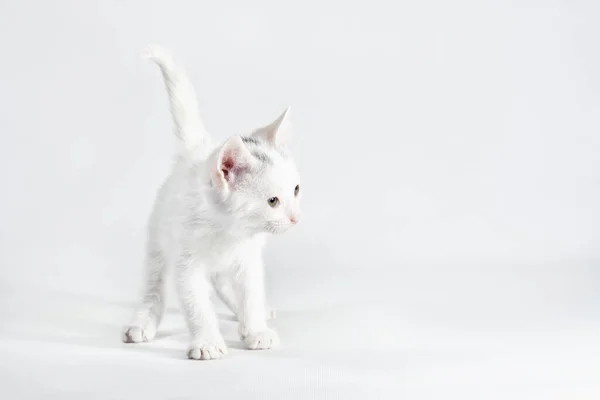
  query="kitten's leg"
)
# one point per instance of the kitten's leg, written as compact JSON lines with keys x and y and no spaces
{"x":224,"y":288}
{"x":250,"y":289}
{"x":194,"y":293}
{"x":146,"y":317}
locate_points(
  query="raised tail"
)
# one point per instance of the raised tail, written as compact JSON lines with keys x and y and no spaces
{"x":184,"y":106}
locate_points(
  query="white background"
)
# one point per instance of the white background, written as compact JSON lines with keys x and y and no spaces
{"x":450,"y":241}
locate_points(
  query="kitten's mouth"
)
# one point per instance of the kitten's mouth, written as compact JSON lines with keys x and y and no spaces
{"x":277,"y":228}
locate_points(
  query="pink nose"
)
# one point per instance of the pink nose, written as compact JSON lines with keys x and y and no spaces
{"x":294,"y":220}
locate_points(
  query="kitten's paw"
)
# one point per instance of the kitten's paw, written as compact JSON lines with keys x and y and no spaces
{"x":265,"y":339}
{"x":207,"y":349}
{"x":138,"y":334}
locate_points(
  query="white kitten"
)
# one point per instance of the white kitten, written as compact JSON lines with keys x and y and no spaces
{"x":210,"y":221}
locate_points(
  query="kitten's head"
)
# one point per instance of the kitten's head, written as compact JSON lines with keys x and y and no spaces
{"x":257,"y":179}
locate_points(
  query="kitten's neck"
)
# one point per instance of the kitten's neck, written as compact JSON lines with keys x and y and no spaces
{"x":236,"y":235}
{"x":223,"y":223}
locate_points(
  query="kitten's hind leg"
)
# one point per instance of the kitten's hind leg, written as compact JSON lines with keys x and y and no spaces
{"x":146,"y":317}
{"x":224,"y":288}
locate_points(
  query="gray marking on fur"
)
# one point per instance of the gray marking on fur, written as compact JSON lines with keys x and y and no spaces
{"x":250,"y":139}
{"x":255,"y":146}
{"x":262,"y":157}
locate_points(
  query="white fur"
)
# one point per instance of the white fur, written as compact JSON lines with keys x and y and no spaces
{"x":210,"y":221}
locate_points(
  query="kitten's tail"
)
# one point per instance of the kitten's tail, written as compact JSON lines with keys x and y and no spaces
{"x":184,"y":106}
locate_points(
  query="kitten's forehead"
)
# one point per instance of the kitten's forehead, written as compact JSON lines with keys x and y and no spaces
{"x":281,"y":176}
{"x":278,"y":170}
{"x":284,"y":168}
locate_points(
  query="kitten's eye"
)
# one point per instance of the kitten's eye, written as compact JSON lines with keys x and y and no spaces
{"x":273,"y":202}
{"x":297,"y":190}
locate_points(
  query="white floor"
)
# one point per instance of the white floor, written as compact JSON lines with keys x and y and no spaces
{"x":422,"y":333}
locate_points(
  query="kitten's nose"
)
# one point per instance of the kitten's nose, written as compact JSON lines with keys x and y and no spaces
{"x":294,"y":220}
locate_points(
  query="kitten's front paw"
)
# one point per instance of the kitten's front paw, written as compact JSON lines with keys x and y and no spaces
{"x":265,"y":339}
{"x":207,"y":349}
{"x":138,"y":334}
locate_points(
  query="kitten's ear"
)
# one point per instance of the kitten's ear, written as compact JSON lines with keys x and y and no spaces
{"x":277,"y":132}
{"x":233,"y":159}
